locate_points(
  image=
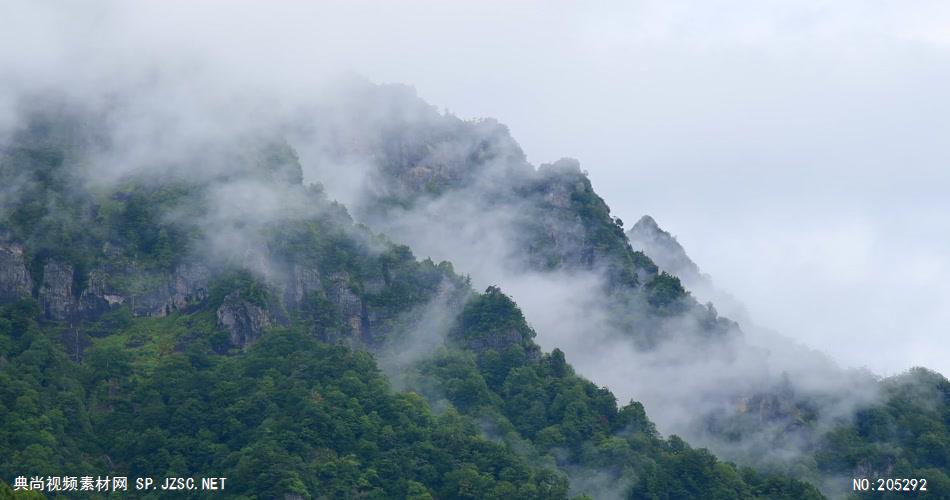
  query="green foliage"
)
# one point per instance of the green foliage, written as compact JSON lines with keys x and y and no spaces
{"x":291,"y":415}
{"x":279,"y":162}
{"x":295,"y":415}
{"x":492,"y":320}
{"x":137,"y":219}
{"x":778,"y":487}
{"x":7,"y":493}
{"x":567,"y":226}
{"x":46,"y":214}
{"x":573,"y":422}
{"x":57,"y":217}
{"x":602,"y":243}
{"x":641,"y":261}
{"x":665,"y":293}
{"x":905,"y":436}
{"x":243,"y":283}
{"x":45,"y":419}
{"x":156,"y":396}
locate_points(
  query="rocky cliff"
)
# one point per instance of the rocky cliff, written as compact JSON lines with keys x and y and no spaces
{"x":15,"y":280}
{"x":663,"y":249}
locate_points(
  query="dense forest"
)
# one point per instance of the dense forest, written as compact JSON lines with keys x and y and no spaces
{"x":239,"y":323}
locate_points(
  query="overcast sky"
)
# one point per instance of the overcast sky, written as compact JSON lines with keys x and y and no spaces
{"x":799,"y":150}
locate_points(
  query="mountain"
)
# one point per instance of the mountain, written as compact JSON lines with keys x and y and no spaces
{"x":181,"y":325}
{"x":663,"y":249}
{"x":858,"y":446}
{"x":205,"y":311}
{"x":463,"y":191}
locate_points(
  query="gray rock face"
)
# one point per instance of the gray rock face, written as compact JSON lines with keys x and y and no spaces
{"x":301,"y":281}
{"x":665,"y":251}
{"x":555,"y":235}
{"x":98,"y":297}
{"x":244,"y":321}
{"x":15,"y":280}
{"x":176,"y":291}
{"x":56,"y":292}
{"x":187,"y":284}
{"x":350,"y":306}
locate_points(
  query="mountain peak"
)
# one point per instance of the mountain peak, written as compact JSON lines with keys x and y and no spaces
{"x":647,"y":236}
{"x":647,"y":223}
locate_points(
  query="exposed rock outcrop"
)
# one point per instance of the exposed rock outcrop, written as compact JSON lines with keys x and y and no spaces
{"x":301,"y":281}
{"x":351,"y":307}
{"x":663,"y":249}
{"x":163,"y":294}
{"x":98,"y":297}
{"x":56,"y":292}
{"x":188,"y":284}
{"x":15,"y":280}
{"x":244,"y":321}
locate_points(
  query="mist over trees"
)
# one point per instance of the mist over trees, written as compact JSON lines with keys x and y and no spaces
{"x":239,"y":320}
{"x":328,"y":288}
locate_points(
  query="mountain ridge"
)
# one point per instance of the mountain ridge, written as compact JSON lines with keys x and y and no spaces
{"x":168,"y":288}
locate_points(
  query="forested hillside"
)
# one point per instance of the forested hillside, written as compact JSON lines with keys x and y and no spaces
{"x":902,"y":433}
{"x":225,"y":318}
{"x":465,"y":191}
{"x":135,"y":344}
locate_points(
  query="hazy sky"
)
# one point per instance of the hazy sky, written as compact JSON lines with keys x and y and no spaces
{"x":799,"y":150}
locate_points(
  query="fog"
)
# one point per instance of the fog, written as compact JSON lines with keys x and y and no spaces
{"x":797,"y":150}
{"x":685,"y":380}
{"x":829,"y":118}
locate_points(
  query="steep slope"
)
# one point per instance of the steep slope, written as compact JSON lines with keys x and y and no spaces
{"x":227,"y":322}
{"x":670,"y":256}
{"x":663,"y":249}
{"x":464,"y":191}
{"x":878,"y":439}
